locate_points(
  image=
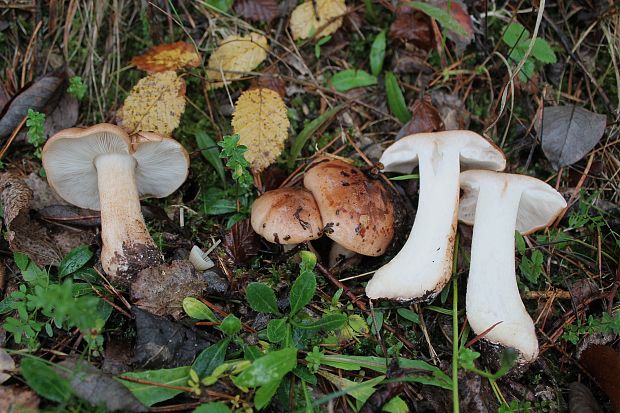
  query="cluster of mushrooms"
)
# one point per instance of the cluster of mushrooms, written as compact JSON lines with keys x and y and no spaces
{"x":495,"y":203}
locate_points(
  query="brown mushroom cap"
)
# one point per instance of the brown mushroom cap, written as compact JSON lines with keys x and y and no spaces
{"x":357,"y":212}
{"x":287,"y":216}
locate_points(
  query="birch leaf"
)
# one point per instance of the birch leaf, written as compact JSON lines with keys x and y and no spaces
{"x":171,"y":56}
{"x":155,"y":104}
{"x":261,"y":122}
{"x":306,"y":21}
{"x":235,"y":55}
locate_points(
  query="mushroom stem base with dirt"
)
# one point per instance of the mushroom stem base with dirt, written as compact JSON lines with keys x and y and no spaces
{"x":492,"y":292}
{"x":127,"y":244}
{"x":431,"y":240}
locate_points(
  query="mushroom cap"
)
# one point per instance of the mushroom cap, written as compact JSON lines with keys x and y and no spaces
{"x":539,"y":206}
{"x":475,"y":152}
{"x":69,"y":157}
{"x":287,"y":216}
{"x":357,"y":212}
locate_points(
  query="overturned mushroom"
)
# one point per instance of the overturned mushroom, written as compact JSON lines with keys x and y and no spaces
{"x":287,"y":216}
{"x":497,"y":204}
{"x":357,"y":212}
{"x":423,"y":266}
{"x":102,"y":168}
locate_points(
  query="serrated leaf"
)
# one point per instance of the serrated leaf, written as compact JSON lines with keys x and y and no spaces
{"x":569,"y":132}
{"x":276,"y":330}
{"x":74,"y":260}
{"x":306,"y":23}
{"x":171,"y":56}
{"x":261,"y":298}
{"x":44,"y":380}
{"x":396,"y":100}
{"x":210,"y":151}
{"x":269,"y":368}
{"x":377,"y":53}
{"x":515,"y":34}
{"x":235,"y":55}
{"x":328,"y":322}
{"x":302,"y":291}
{"x":149,"y":394}
{"x":155,"y":104}
{"x":260,"y":119}
{"x":308,"y":131}
{"x":351,"y":78}
{"x":198,"y":310}
{"x":543,"y":51}
{"x":210,"y":358}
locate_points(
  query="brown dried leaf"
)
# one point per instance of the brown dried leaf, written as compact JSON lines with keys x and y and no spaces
{"x":458,"y":11}
{"x":18,"y":399}
{"x":241,"y":243}
{"x":412,"y":26}
{"x":603,"y":363}
{"x":452,"y":110}
{"x":257,"y":10}
{"x":310,"y":17}
{"x":170,"y":56}
{"x":235,"y":55}
{"x":424,"y":118}
{"x":161,"y":290}
{"x":270,"y":79}
{"x":261,"y":121}
{"x":71,"y":215}
{"x":581,"y":400}
{"x":155,"y":104}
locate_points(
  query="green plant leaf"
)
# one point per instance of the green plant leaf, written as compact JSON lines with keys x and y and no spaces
{"x":515,"y":34}
{"x":276,"y":330}
{"x":149,"y":394}
{"x":74,"y":260}
{"x":407,"y":314}
{"x":308,"y":131}
{"x":351,"y":78}
{"x":219,"y":5}
{"x":396,"y":100}
{"x":265,"y":393}
{"x":269,"y":368}
{"x":212,"y":408}
{"x":328,"y":322}
{"x":377,"y":53}
{"x":231,"y":325}
{"x":543,"y":51}
{"x":302,"y":291}
{"x":442,"y":16}
{"x":319,"y":43}
{"x":261,"y":298}
{"x":44,"y":380}
{"x":198,"y":310}
{"x":210,"y":358}
{"x":210,"y":151}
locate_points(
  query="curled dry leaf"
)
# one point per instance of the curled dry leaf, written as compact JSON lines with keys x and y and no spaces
{"x":170,"y":56}
{"x":7,"y":365}
{"x":241,"y":243}
{"x":235,"y":55}
{"x":257,"y":10}
{"x":155,"y":104}
{"x":424,"y":118}
{"x":317,"y":18}
{"x":569,"y":132}
{"x":412,"y":26}
{"x":262,"y":124}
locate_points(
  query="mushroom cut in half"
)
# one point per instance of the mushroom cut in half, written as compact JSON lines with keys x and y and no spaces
{"x":287,"y":216}
{"x":103,"y":168}
{"x":423,"y":266}
{"x":357,"y":212}
{"x":497,"y":204}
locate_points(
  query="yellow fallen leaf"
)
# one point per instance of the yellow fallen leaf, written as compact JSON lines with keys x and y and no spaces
{"x":155,"y":104}
{"x":305,"y":22}
{"x":171,"y":56}
{"x":261,"y":122}
{"x":236,"y":54}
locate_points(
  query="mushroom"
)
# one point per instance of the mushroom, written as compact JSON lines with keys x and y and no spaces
{"x":357,"y":212}
{"x":496,"y":204}
{"x":103,"y":168}
{"x":423,"y":266}
{"x":287,"y":216}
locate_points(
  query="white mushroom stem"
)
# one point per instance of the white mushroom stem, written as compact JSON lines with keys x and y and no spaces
{"x":492,"y":292}
{"x":127,"y":244}
{"x":431,"y":240}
